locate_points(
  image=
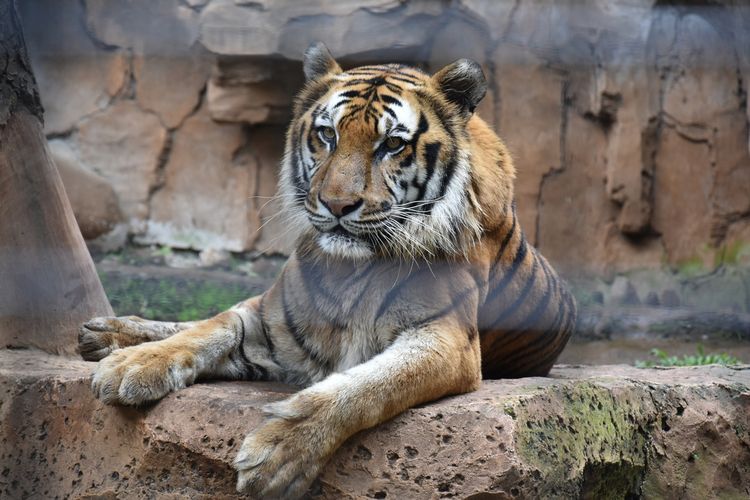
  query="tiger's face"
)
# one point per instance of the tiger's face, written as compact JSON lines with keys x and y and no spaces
{"x":374,"y":156}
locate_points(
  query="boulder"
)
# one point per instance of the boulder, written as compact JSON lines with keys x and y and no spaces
{"x":591,"y":432}
{"x":165,"y":28}
{"x":170,"y":85}
{"x":206,"y":199}
{"x":257,"y":102}
{"x":623,"y":293}
{"x":285,"y":29}
{"x":94,"y":202}
{"x":670,"y":298}
{"x":652,"y":299}
{"x":123,"y":144}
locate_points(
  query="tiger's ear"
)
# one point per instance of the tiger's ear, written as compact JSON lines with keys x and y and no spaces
{"x":462,"y":83}
{"x":319,"y":62}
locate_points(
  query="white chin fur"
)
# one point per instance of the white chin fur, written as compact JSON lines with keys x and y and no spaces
{"x":341,"y":246}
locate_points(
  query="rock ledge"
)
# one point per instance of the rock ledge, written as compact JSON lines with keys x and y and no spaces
{"x":587,"y":431}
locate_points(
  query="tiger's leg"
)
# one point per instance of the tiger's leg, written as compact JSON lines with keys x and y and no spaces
{"x":285,"y":454}
{"x":215,"y":347}
{"x":98,"y":337}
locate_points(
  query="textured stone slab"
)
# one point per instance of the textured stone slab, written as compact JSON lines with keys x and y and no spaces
{"x":75,"y":76}
{"x":171,"y":85}
{"x":585,"y":431}
{"x":285,"y":28}
{"x":92,"y":198}
{"x":206,"y":198}
{"x":161,"y":28}
{"x":123,"y":144}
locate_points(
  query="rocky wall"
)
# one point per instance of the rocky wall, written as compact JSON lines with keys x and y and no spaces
{"x":628,"y":120}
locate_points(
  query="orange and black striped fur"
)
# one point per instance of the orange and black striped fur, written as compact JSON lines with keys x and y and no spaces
{"x":410,"y":280}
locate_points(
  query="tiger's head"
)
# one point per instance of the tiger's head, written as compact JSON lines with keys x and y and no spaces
{"x":378,"y":158}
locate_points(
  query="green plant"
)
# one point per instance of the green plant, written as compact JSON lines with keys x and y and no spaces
{"x":697,"y":359}
{"x":162,"y":251}
{"x":690,"y":268}
{"x":172,"y":298}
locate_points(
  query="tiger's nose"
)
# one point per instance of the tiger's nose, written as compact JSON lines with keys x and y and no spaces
{"x":341,"y":206}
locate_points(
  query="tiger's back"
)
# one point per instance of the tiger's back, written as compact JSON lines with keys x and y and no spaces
{"x":528,"y":312}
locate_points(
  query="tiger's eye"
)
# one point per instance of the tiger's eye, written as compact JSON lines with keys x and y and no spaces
{"x":394,"y":143}
{"x":328,"y":133}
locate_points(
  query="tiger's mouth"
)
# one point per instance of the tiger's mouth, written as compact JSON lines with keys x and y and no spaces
{"x":340,"y":242}
{"x":340,"y":230}
{"x":335,"y":231}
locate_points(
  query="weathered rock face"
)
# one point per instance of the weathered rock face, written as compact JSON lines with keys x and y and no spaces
{"x":123,"y":144}
{"x":77,"y":77}
{"x":590,"y":432}
{"x":156,"y":91}
{"x":628,"y":121}
{"x":255,"y":93}
{"x":206,"y":196}
{"x":93,"y":200}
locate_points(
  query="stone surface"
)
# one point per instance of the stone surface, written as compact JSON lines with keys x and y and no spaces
{"x":683,"y":326}
{"x":262,"y":102}
{"x":246,"y":90}
{"x":166,"y":27}
{"x":670,"y":298}
{"x":730,"y":193}
{"x":206,"y":196}
{"x":586,"y":431}
{"x":277,"y":233}
{"x":347,"y":27}
{"x":726,"y":288}
{"x":76,"y":78}
{"x":558,"y":229}
{"x":623,"y":292}
{"x":170,"y":85}
{"x":683,"y":214}
{"x":123,"y":144}
{"x":536,"y":150}
{"x":706,"y":86}
{"x":93,"y":200}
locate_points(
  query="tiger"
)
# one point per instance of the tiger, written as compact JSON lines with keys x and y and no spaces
{"x":410,"y":280}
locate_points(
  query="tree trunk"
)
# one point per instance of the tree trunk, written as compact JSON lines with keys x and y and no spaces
{"x":48,"y":283}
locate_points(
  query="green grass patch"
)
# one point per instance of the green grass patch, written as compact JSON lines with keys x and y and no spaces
{"x":172,"y":299}
{"x":732,"y":254}
{"x":690,"y":268}
{"x":698,"y":359}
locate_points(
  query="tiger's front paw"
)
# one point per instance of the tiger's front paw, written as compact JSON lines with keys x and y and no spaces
{"x":98,"y":337}
{"x":286,"y":453}
{"x":136,"y":375}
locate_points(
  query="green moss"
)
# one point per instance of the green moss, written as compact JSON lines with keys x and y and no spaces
{"x":171,"y":299}
{"x":698,"y":359}
{"x":732,"y":254}
{"x":593,"y":436}
{"x":163,"y":251}
{"x":690,"y":268}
